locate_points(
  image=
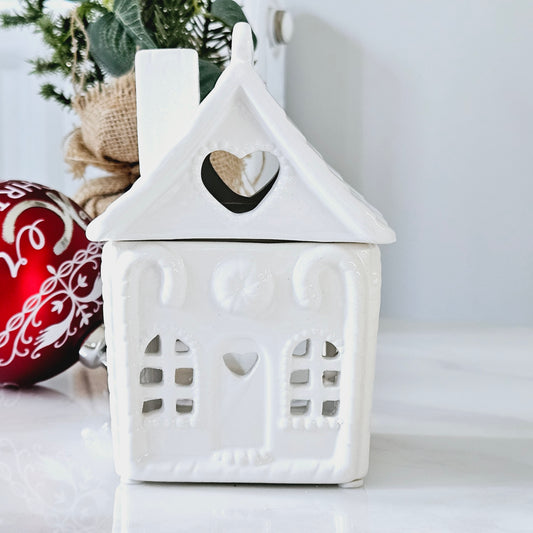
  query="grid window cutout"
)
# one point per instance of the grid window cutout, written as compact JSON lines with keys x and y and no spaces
{"x":184,"y":406}
{"x":150,"y":376}
{"x":321,"y":354}
{"x":300,"y":377}
{"x":153,"y":347}
{"x":300,"y":407}
{"x":330,"y":378}
{"x":330,"y":407}
{"x":184,"y":376}
{"x":302,"y":348}
{"x":330,"y":350}
{"x":180,"y":347}
{"x":150,"y":406}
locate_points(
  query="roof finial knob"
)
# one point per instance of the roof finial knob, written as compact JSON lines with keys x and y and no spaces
{"x":242,"y":45}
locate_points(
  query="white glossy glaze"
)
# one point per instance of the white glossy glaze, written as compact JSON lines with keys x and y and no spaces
{"x":192,"y":416}
{"x":238,"y":298}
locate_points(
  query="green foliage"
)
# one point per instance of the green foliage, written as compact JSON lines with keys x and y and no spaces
{"x":111,"y":45}
{"x":168,"y":21}
{"x":128,"y":13}
{"x":49,"y":92}
{"x":115,"y":37}
{"x":204,"y":25}
{"x":100,"y":37}
{"x":209,"y":74}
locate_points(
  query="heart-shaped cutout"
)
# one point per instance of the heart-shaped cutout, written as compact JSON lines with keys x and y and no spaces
{"x":239,"y":184}
{"x":240,"y":364}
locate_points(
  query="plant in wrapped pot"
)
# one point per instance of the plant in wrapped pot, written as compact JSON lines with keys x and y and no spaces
{"x":93,"y":46}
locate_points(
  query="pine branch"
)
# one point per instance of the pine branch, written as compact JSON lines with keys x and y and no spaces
{"x":43,"y":66}
{"x":168,"y":21}
{"x":50,"y":92}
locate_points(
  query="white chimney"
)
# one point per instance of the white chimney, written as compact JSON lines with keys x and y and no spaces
{"x":168,"y":96}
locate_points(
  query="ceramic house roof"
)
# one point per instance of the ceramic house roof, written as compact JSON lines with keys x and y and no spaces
{"x":307,"y":202}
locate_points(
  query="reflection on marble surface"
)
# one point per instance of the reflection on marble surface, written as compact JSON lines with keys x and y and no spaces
{"x":452,"y":451}
{"x":246,"y":508}
{"x":56,"y":468}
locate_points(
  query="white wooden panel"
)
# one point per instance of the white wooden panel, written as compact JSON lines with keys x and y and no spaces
{"x":32,"y":130}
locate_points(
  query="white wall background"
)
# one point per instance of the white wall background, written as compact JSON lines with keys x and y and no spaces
{"x":426,"y":106}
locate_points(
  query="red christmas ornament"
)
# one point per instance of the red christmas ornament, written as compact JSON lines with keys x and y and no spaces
{"x":49,"y":282}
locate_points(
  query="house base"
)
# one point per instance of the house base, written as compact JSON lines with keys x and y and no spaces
{"x":241,"y":362}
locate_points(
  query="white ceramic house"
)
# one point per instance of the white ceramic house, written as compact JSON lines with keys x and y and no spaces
{"x":241,"y":331}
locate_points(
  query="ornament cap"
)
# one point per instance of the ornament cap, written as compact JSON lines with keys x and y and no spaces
{"x":93,"y":350}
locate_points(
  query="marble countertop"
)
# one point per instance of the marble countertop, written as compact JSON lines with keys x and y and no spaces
{"x":452,"y":451}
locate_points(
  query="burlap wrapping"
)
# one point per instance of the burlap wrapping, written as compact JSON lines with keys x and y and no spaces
{"x":107,"y":139}
{"x":229,"y":167}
